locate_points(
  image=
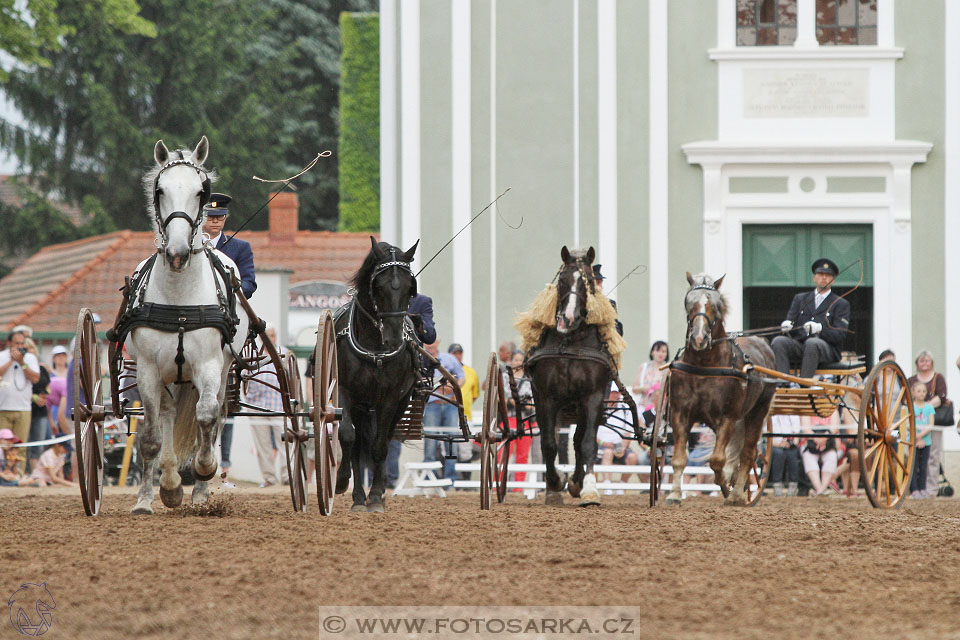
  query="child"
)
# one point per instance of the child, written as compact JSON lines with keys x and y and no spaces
{"x":49,"y":468}
{"x":9,"y":459}
{"x":924,"y":416}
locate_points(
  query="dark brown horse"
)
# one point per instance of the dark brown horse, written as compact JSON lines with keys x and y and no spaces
{"x":708,"y":385}
{"x":571,"y":372}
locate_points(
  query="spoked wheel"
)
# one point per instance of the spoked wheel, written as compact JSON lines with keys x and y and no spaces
{"x":503,"y":451}
{"x":887,"y":436}
{"x":295,"y":436}
{"x":489,"y":434}
{"x":88,"y":413}
{"x":760,"y":471}
{"x":658,"y":446}
{"x":326,"y":397}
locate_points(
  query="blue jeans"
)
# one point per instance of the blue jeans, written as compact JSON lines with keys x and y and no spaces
{"x":440,"y":414}
{"x":226,"y":440}
{"x":39,"y":430}
{"x":785,"y":464}
{"x":393,"y":462}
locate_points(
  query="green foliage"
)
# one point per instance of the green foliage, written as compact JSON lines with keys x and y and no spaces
{"x":258,"y":77}
{"x":360,"y":123}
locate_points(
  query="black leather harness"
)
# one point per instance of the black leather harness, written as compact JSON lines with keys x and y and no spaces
{"x":713,"y":372}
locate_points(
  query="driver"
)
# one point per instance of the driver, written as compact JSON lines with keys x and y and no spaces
{"x":215,"y":216}
{"x":816,"y":325}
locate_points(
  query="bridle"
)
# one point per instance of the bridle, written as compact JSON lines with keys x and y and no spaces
{"x":710,"y":321}
{"x":194,"y":222}
{"x":377,"y":316}
{"x":574,"y":291}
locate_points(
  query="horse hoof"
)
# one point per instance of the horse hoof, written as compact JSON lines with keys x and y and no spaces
{"x":172,"y":497}
{"x":358,"y":508}
{"x":554,"y":499}
{"x":589,"y":492}
{"x":573,"y":488}
{"x":735,"y":501}
{"x":589,"y":503}
{"x":199,"y":497}
{"x":342,"y":484}
{"x":675,"y":501}
{"x":203,"y":477}
{"x":142,"y":510}
{"x":376,"y":507}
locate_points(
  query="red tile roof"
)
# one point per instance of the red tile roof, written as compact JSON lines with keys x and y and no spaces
{"x":49,"y":289}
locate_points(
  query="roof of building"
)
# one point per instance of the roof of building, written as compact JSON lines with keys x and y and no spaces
{"x":47,"y":291}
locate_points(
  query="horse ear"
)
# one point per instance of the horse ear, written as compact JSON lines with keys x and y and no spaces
{"x":565,"y":254}
{"x":591,"y":254}
{"x":374,"y":247}
{"x":160,"y":152}
{"x":689,"y":278}
{"x":719,"y":281}
{"x":200,"y":153}
{"x":408,"y":255}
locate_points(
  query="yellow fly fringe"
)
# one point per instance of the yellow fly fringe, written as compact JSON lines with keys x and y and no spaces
{"x":542,"y":315}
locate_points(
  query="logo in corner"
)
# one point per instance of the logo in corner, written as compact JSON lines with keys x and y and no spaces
{"x":31,"y":608}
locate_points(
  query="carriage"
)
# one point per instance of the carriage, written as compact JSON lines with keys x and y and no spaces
{"x":300,"y":424}
{"x":882,"y":406}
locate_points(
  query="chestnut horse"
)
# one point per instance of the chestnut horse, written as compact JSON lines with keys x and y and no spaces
{"x":708,"y":385}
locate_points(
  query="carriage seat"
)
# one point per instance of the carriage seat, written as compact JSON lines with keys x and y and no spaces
{"x":848,"y":366}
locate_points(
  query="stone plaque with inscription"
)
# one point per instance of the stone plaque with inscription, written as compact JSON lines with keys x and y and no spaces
{"x":806,"y":93}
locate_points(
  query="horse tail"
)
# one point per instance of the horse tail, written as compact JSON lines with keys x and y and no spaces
{"x":185,"y":432}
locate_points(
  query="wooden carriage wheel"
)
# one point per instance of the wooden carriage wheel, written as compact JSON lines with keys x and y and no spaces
{"x":760,"y":471}
{"x":326,"y":398}
{"x":658,"y":446}
{"x":887,"y":436}
{"x":88,"y":413}
{"x":503,"y":451}
{"x":488,"y":439}
{"x":295,"y":435}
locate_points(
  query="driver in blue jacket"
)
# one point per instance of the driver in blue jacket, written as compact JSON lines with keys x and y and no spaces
{"x":215,"y":217}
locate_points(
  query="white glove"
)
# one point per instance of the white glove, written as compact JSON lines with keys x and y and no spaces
{"x":786,"y":326}
{"x":813,"y":328}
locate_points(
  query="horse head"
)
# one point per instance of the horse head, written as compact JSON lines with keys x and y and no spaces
{"x":574,"y":277}
{"x":706,"y":308}
{"x":385,"y":284}
{"x":177,"y":188}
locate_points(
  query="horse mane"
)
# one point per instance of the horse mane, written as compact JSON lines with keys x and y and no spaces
{"x":150,"y":177}
{"x":704,"y":280}
{"x":361,"y":278}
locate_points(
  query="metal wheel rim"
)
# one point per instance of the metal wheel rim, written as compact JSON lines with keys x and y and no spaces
{"x":292,"y":445}
{"x":881,"y":414}
{"x":325,"y":396}
{"x":88,"y":431}
{"x":487,"y":449}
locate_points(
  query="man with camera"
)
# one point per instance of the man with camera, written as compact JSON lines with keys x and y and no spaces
{"x":18,"y":371}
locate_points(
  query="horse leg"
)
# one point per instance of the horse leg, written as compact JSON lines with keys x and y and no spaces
{"x":148,"y":439}
{"x":378,"y":459}
{"x":575,"y":482}
{"x":680,"y":423}
{"x":547,"y":415}
{"x":171,"y":489}
{"x":733,"y":452}
{"x":361,"y":445}
{"x":718,"y":459}
{"x":752,"y":430}
{"x":590,"y":419}
{"x":208,"y":383}
{"x":347,"y":436}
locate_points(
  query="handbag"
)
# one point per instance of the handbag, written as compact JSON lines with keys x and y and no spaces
{"x":943,"y":416}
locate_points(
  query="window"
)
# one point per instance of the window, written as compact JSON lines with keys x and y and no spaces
{"x":847,"y":22}
{"x":766,"y":22}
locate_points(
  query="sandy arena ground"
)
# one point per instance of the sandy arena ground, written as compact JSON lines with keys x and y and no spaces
{"x":790,"y":567}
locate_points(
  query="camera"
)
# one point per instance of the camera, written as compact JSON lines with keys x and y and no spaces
{"x":22,"y":351}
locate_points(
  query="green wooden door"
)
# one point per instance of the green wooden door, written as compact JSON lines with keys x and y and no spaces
{"x":781,"y":255}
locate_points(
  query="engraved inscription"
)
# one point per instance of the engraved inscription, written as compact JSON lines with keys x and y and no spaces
{"x":806,"y":93}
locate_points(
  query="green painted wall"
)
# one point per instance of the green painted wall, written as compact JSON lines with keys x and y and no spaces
{"x":919,"y":30}
{"x":693,"y":116}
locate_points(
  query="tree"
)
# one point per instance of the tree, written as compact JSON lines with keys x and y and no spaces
{"x":359,"y":156}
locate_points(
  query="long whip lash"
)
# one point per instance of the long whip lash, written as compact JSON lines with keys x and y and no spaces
{"x":286,"y":183}
{"x":625,"y":277}
{"x":462,"y":230}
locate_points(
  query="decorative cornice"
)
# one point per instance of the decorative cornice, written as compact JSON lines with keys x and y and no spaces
{"x":839,"y":53}
{"x":895,"y":152}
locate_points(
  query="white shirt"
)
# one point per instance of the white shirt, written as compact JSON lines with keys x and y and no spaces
{"x":16,"y":391}
{"x":216,"y":241}
{"x":818,"y":298}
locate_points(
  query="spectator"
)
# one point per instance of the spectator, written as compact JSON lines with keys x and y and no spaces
{"x":18,"y":371}
{"x":49,"y":469}
{"x":505,"y":353}
{"x":785,"y":456}
{"x":820,"y":457}
{"x":9,"y":459}
{"x":936,"y":397}
{"x":39,"y":424}
{"x":58,"y":361}
{"x":267,"y":430}
{"x":613,"y":449}
{"x":440,"y":413}
{"x":887,"y":354}
{"x":924,"y":413}
{"x":650,"y":373}
{"x":469,"y":392}
{"x":522,"y":446}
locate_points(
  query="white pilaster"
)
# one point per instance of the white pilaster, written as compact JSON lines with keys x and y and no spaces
{"x":886,"y":19}
{"x":388,"y":121}
{"x":607,"y":136}
{"x":576,"y":122}
{"x":410,"y":123}
{"x":658,"y":236}
{"x":726,"y":23}
{"x":492,"y":303}
{"x":951,"y":203}
{"x":461,"y":152}
{"x":806,"y":25}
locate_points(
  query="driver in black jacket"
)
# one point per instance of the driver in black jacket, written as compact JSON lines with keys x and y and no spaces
{"x":816,"y":325}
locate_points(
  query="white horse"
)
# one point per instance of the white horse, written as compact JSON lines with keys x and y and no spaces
{"x":181,"y":420}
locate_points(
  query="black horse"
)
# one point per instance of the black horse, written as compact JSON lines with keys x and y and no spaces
{"x":571,"y":372}
{"x":377,"y":363}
